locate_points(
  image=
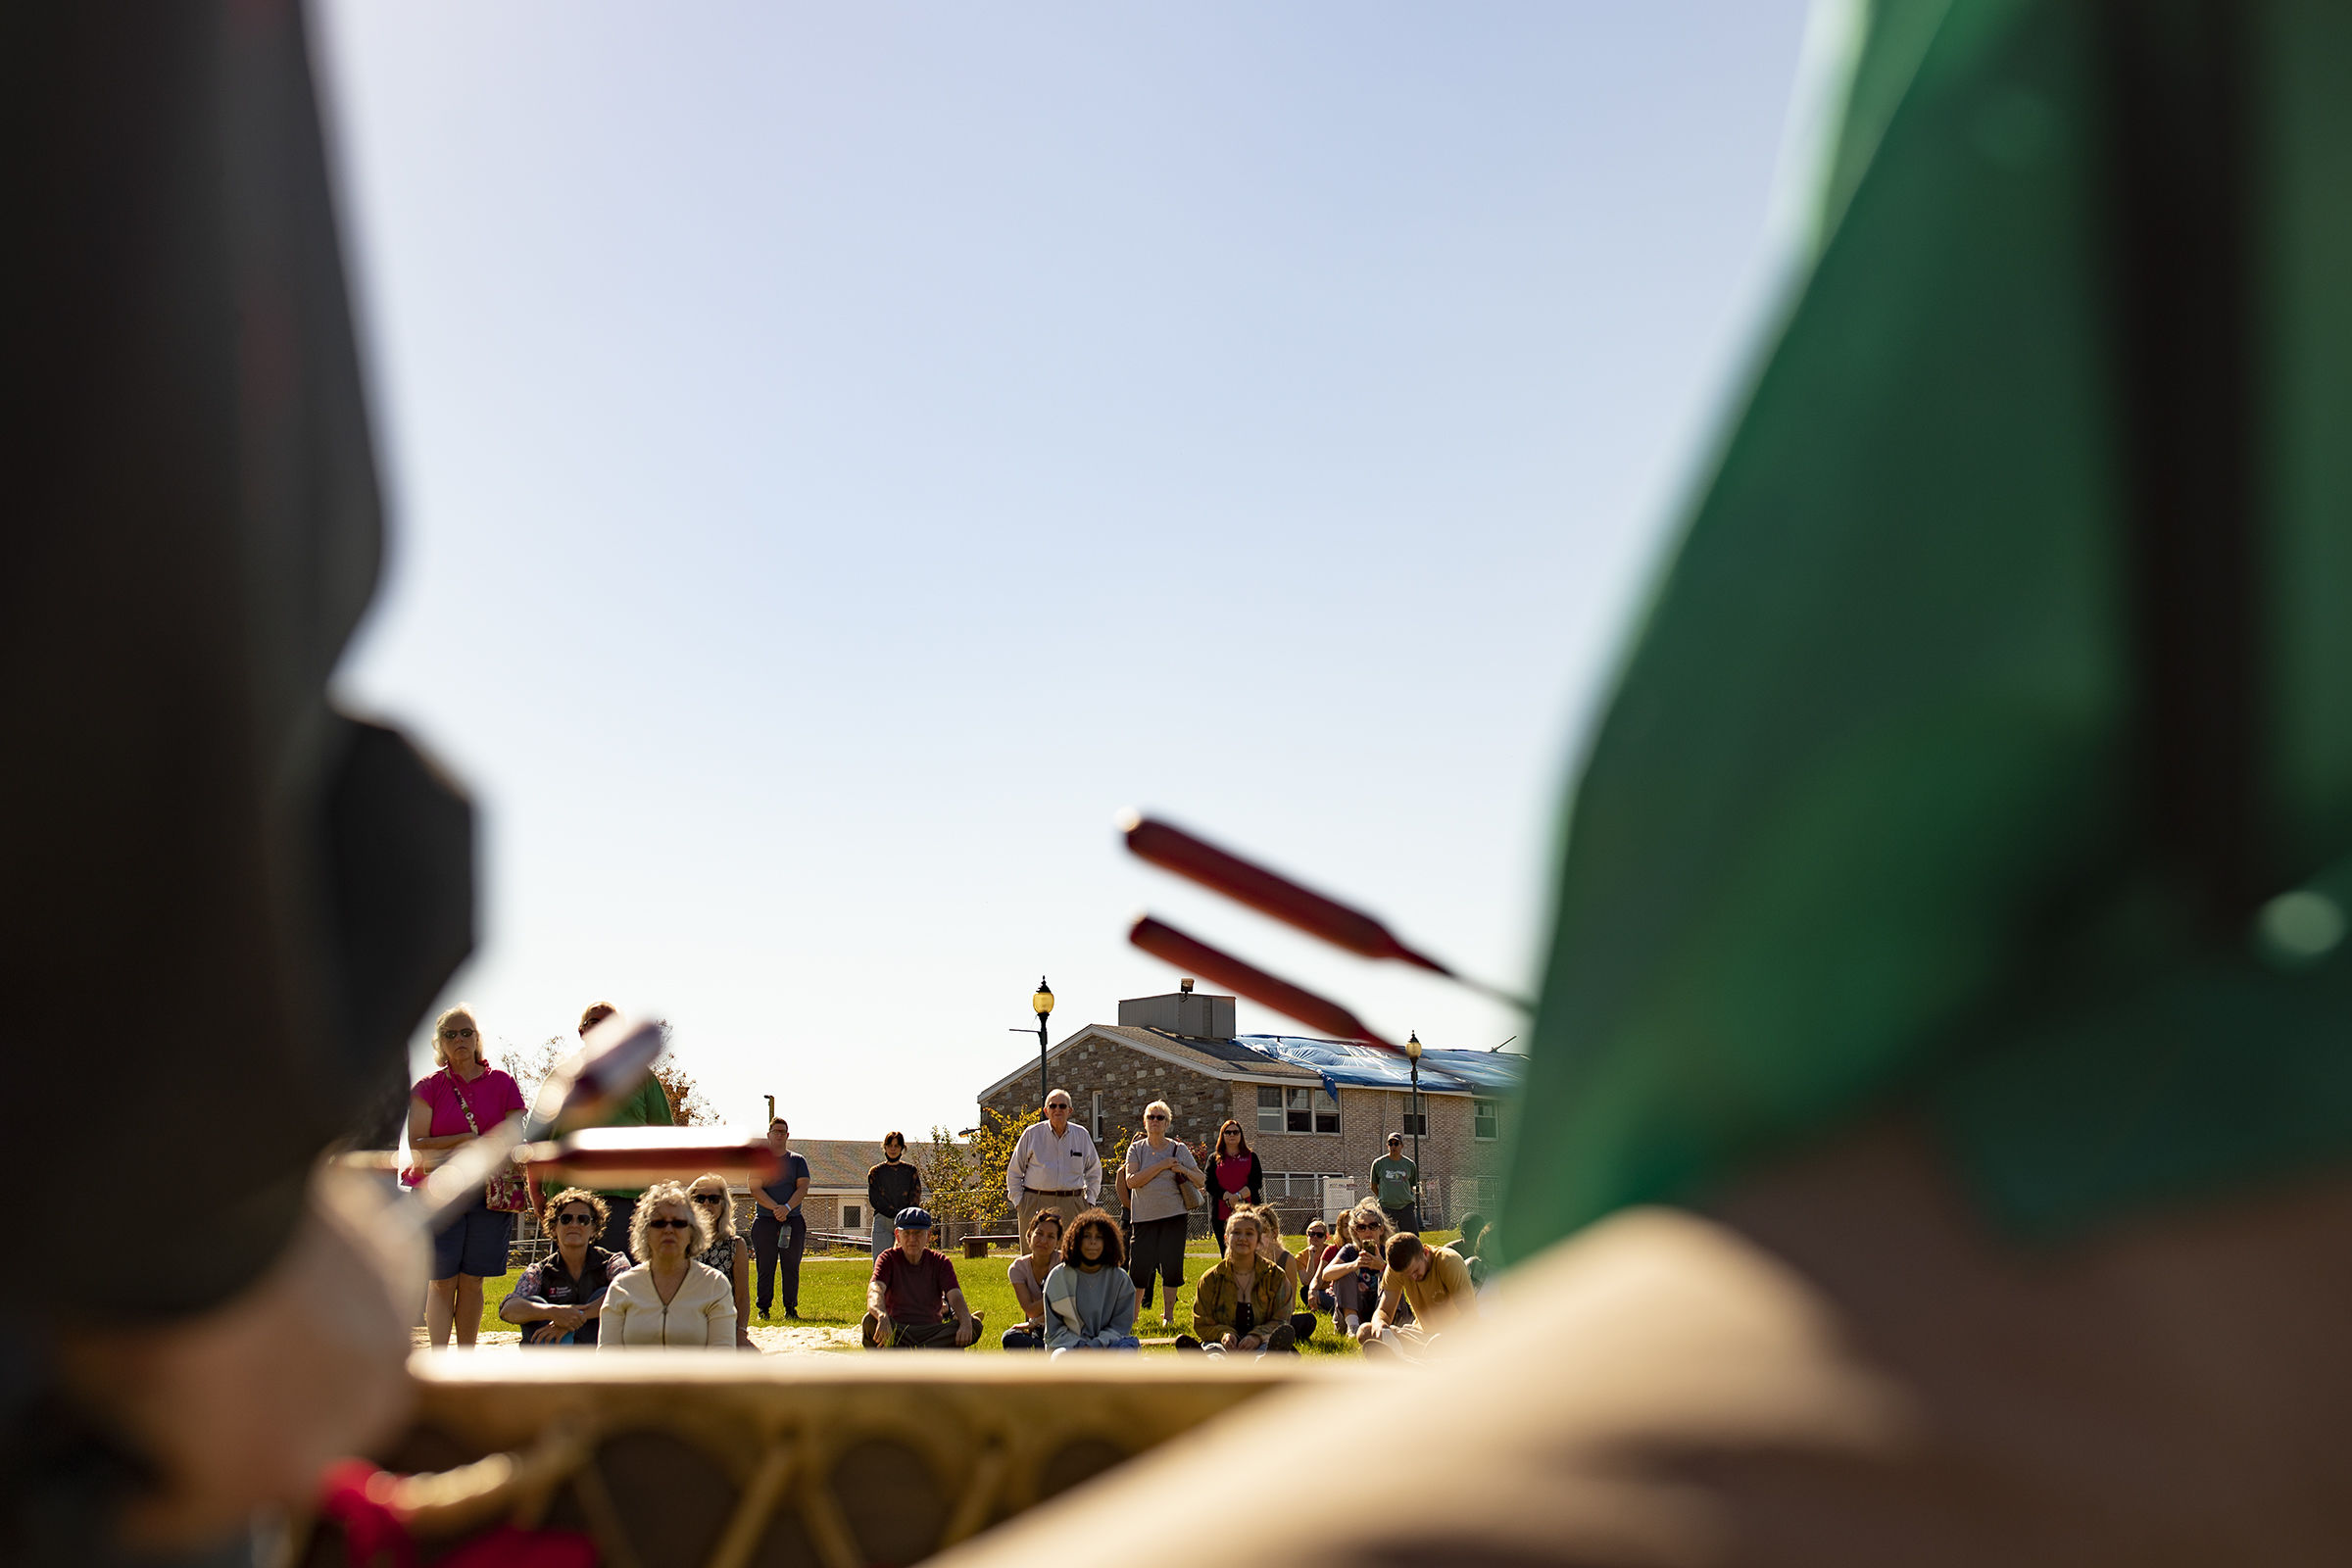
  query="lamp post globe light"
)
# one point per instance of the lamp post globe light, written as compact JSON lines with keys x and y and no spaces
{"x":1043,"y":1005}
{"x":1412,"y":1055}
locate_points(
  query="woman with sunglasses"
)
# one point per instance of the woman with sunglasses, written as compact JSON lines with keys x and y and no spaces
{"x":1155,"y":1166}
{"x":558,"y":1300}
{"x":728,"y":1253}
{"x":1232,"y":1169}
{"x":669,"y":1299}
{"x":462,"y":1101}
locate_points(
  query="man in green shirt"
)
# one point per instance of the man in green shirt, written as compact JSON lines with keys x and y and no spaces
{"x":649,"y":1107}
{"x":1396,"y":1183}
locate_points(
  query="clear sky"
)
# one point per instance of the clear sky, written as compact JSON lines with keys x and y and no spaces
{"x":839,"y":456}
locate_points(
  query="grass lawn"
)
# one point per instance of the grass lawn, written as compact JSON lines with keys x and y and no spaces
{"x":833,"y":1291}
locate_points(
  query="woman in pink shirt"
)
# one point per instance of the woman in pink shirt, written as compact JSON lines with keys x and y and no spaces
{"x":466,"y":1098}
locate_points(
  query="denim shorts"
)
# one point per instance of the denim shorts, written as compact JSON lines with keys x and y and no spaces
{"x":474,"y":1243}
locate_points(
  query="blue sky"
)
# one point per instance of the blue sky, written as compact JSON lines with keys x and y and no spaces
{"x":840,"y":456}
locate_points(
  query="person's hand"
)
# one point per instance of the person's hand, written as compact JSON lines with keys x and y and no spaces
{"x":546,"y":1332}
{"x":1228,"y":1340}
{"x":1252,"y":1343}
{"x":243,"y":1406}
{"x":965,"y":1333}
{"x":571,"y":1318}
{"x":885,"y":1331}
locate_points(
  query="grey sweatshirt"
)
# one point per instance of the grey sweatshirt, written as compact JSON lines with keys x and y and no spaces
{"x":1088,"y":1309}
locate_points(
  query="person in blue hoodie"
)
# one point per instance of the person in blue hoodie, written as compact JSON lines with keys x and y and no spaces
{"x":1090,"y":1302}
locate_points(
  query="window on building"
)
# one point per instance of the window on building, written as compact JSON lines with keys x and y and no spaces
{"x":1310,"y":1110}
{"x":852,"y":1216}
{"x":1269,"y":1110}
{"x":1486,"y":1118}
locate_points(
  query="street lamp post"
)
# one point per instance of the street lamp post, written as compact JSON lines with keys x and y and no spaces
{"x":1043,"y":1005}
{"x":1412,"y":1054}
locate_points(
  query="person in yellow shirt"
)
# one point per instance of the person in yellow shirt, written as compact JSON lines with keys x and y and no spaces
{"x":1435,"y":1283}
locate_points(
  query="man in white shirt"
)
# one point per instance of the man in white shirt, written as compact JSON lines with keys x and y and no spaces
{"x":1053,"y":1167}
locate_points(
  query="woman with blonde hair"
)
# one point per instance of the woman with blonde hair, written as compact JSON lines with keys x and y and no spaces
{"x":669,"y":1299}
{"x":728,"y":1253}
{"x":1154,"y":1175}
{"x":464,"y":1098}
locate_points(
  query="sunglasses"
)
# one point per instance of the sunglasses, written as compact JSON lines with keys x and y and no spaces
{"x":456,"y":1034}
{"x":710,"y":1197}
{"x":575,"y":1219}
{"x":1155,"y":1117}
{"x":669,"y":1224}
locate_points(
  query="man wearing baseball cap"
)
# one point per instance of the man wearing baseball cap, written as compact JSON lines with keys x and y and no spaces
{"x":1396,"y":1183}
{"x":911,"y":1286}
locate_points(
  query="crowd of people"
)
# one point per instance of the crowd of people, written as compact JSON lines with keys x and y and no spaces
{"x":669,"y":1265}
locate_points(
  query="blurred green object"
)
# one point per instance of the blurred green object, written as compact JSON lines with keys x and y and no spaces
{"x":1987,"y":750}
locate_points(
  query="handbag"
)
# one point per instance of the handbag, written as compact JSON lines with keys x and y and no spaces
{"x":502,"y":1191}
{"x":1186,"y":1190}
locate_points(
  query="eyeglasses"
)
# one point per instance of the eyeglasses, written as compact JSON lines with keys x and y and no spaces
{"x":669,"y":1224}
{"x":1155,"y":1117}
{"x":575,"y":1219}
{"x":710,"y":1197}
{"x":456,"y":1034}
{"x":1058,"y":1105}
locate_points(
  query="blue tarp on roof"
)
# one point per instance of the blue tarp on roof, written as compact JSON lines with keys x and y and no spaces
{"x":1340,"y":1061}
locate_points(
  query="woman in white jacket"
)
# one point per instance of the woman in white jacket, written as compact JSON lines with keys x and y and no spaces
{"x":668,"y":1299}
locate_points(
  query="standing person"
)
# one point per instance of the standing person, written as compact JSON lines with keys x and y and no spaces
{"x":1154,"y":1174}
{"x":1090,"y":1302}
{"x":912,"y":1291}
{"x":1396,"y":1183}
{"x":1053,"y":1166}
{"x":1232,"y":1169}
{"x":649,"y":1107}
{"x":1028,"y":1278}
{"x":727,"y":1252}
{"x":560,"y":1300}
{"x":1435,"y":1283}
{"x":669,"y":1301}
{"x":780,"y":1231}
{"x":1237,"y":1308}
{"x":457,"y":1105}
{"x":894,"y":1184}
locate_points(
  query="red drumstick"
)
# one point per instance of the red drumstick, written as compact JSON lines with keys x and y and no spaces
{"x":1172,"y":849}
{"x":1195,"y":956}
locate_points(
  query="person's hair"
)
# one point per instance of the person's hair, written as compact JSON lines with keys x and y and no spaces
{"x":1114,"y":1248}
{"x":1244,"y":1215}
{"x":774,"y":1122}
{"x":1402,"y":1248}
{"x":549,"y":1207}
{"x":655,"y":1196}
{"x":1065,"y":1100}
{"x":1045,"y":1216}
{"x":722,"y":1224}
{"x":891,"y":1138}
{"x":1471,"y":1224}
{"x":1241,"y":1134}
{"x":1269,"y":1223}
{"x":1162,"y":1106}
{"x":597,"y":1012}
{"x":1366,"y":1212}
{"x":465,"y":1011}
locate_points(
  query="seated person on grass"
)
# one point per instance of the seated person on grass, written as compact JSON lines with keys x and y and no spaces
{"x":1313,"y":1295}
{"x":1355,"y":1270}
{"x":1238,"y":1306}
{"x":1435,"y":1283}
{"x":1468,"y":1245}
{"x":1090,"y":1302}
{"x":911,"y":1284}
{"x":1028,"y":1276}
{"x":557,"y":1299}
{"x":1288,"y":1265}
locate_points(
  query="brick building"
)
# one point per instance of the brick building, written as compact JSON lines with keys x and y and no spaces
{"x":1316,"y":1109}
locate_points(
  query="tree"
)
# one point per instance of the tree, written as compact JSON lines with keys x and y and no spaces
{"x":689,"y":1107}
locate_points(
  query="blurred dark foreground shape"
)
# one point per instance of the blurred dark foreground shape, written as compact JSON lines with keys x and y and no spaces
{"x":1938,"y":1140}
{"x":226,"y":904}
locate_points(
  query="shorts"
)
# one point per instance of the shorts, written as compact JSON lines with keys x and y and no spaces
{"x":1156,"y":1246}
{"x":474,"y":1243}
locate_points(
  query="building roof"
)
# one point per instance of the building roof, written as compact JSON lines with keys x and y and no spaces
{"x":842,"y":1163}
{"x":1340,"y":1062}
{"x":1216,"y":1058}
